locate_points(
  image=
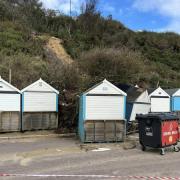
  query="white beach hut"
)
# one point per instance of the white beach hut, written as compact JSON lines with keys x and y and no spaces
{"x":39,"y":106}
{"x":10,"y":100}
{"x":160,"y":100}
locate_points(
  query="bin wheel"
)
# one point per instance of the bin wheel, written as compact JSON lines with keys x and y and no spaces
{"x":143,"y":148}
{"x":176,"y":149}
{"x":162,"y":152}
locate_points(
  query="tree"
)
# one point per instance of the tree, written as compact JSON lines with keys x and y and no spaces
{"x":118,"y":65}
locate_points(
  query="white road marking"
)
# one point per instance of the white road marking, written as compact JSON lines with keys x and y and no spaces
{"x":101,"y":149}
{"x":91,"y":176}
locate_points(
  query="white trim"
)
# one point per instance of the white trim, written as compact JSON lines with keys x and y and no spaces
{"x":143,"y":97}
{"x":113,"y":86}
{"x":159,"y":88}
{"x":40,"y":80}
{"x":110,"y":84}
{"x":177,"y":93}
{"x":8,"y":84}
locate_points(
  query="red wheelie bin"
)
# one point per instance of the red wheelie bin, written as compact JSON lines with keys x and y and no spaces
{"x":158,"y":130}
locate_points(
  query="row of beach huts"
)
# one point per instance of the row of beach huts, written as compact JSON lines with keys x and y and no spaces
{"x":34,"y":107}
{"x":104,"y":109}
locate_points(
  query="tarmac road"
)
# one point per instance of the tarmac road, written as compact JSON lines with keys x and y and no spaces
{"x":65,"y":156}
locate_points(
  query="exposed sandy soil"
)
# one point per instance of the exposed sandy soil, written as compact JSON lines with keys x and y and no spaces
{"x":56,"y":47}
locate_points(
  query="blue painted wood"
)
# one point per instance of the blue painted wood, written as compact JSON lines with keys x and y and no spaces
{"x":176,"y":103}
{"x":124,"y":107}
{"x":84,"y":107}
{"x":129,"y":107}
{"x":172,"y":103}
{"x":82,"y":115}
{"x":22,"y":102}
{"x":57,"y":101}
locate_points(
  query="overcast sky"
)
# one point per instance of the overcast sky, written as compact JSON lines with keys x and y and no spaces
{"x":153,"y":15}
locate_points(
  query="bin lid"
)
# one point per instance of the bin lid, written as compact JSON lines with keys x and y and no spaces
{"x":157,"y":116}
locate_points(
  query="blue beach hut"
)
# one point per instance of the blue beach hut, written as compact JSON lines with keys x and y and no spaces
{"x":175,"y":99}
{"x":138,"y":102}
{"x":102,"y":112}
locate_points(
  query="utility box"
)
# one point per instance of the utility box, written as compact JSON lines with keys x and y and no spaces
{"x":158,"y":130}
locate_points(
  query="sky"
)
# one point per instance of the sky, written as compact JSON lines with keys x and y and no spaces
{"x":150,"y":15}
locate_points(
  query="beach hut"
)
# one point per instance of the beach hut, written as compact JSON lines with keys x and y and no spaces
{"x":160,"y":100}
{"x":102,"y":113}
{"x":175,"y":99}
{"x":138,"y":102}
{"x":10,"y":99}
{"x":39,"y":106}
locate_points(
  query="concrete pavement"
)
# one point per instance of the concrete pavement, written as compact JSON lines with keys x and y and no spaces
{"x":57,"y":155}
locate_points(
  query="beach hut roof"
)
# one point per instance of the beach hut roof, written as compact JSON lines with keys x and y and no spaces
{"x":109,"y":89}
{"x":171,"y":92}
{"x":133,"y":93}
{"x":9,"y":87}
{"x":33,"y":87}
